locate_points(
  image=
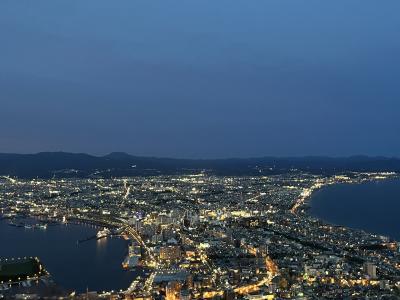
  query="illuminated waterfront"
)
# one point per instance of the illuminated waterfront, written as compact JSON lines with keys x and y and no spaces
{"x":370,"y":206}
{"x":197,"y":236}
{"x":95,"y":264}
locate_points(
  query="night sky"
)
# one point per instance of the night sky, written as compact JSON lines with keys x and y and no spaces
{"x":200,"y":78}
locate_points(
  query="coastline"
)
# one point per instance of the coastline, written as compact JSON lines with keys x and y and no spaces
{"x":98,"y":248}
{"x":307,"y":207}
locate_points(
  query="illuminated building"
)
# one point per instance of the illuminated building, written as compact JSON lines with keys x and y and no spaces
{"x":370,"y":270}
{"x":172,"y":291}
{"x":170,"y":253}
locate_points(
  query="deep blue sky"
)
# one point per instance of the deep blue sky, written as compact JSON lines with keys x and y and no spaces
{"x":204,"y":78}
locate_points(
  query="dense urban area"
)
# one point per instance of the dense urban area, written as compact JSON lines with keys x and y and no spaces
{"x":209,"y":237}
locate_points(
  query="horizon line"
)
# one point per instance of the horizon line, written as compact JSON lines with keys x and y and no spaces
{"x":202,"y":158}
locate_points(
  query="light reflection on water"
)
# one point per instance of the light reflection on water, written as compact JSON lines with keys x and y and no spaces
{"x":371,"y":206}
{"x":95,"y":264}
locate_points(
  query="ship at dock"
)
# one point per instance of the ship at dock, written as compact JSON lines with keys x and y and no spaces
{"x":27,"y":225}
{"x":103,"y":233}
{"x":132,"y":260}
{"x":42,"y":226}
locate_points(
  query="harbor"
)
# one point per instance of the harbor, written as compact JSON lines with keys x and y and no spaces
{"x":99,"y":261}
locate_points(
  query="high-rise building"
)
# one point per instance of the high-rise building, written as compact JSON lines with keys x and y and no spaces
{"x":170,"y":253}
{"x":172,"y":291}
{"x":370,"y":269}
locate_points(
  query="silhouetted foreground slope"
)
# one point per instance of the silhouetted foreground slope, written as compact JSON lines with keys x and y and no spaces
{"x":61,"y":164}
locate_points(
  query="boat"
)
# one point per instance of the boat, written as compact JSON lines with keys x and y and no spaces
{"x":42,"y":226}
{"x":12,"y":223}
{"x":103,"y":233}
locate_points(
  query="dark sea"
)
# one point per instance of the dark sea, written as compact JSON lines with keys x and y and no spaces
{"x":371,"y":206}
{"x":94,"y":264}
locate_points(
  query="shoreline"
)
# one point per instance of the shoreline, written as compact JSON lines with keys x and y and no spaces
{"x":306,"y":206}
{"x":307,"y":193}
{"x":74,"y":222}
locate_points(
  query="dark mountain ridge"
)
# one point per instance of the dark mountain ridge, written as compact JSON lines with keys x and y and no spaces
{"x":62,"y":164}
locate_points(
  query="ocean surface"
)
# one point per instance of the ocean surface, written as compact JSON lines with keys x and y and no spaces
{"x":371,"y":206}
{"x":94,"y":264}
